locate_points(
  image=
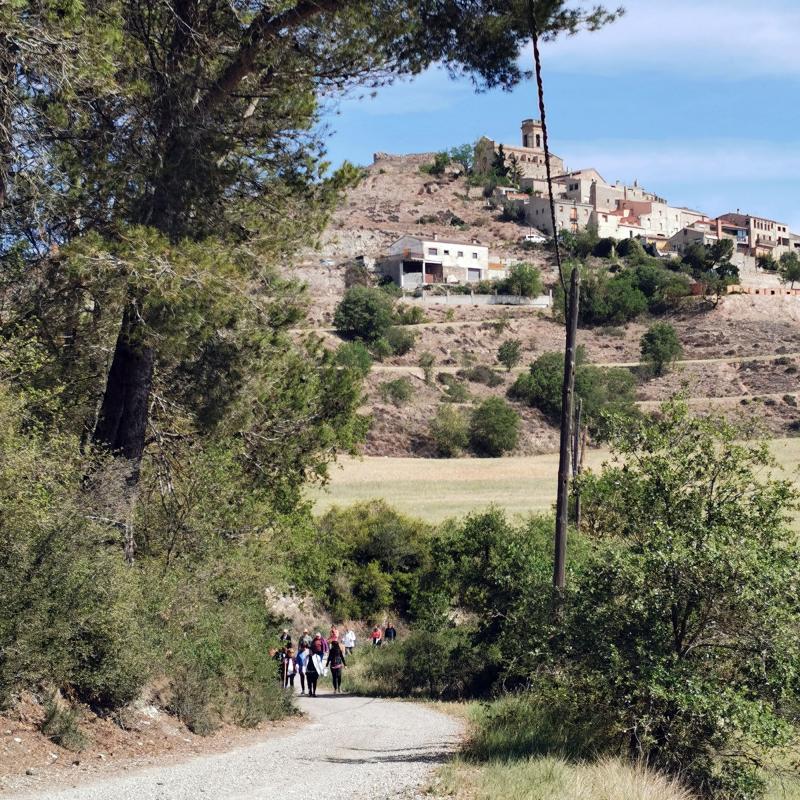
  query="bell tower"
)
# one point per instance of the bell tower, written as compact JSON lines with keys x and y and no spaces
{"x":532,"y":136}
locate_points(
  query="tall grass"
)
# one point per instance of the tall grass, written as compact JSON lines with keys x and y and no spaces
{"x":553,"y":778}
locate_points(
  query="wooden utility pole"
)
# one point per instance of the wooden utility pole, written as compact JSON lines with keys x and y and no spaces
{"x":577,"y":458}
{"x":567,"y":399}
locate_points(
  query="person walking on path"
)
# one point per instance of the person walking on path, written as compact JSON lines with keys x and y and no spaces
{"x":390,"y":633}
{"x":306,"y":638}
{"x":333,"y":636}
{"x":313,"y":671}
{"x":285,"y":638}
{"x":376,"y":636}
{"x":349,"y":641}
{"x":301,"y":662}
{"x":289,"y":668}
{"x":336,"y":663}
{"x":318,"y":645}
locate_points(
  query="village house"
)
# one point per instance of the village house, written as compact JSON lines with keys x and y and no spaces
{"x":763,"y":236}
{"x":413,"y":261}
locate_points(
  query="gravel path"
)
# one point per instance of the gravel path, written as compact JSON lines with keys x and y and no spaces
{"x":350,"y":747}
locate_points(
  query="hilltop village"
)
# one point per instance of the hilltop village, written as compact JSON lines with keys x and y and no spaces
{"x":430,"y":219}
{"x":584,"y":198}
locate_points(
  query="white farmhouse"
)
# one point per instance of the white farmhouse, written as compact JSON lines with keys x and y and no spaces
{"x":413,"y":261}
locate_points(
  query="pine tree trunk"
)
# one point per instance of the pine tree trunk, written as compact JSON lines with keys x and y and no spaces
{"x":122,"y":422}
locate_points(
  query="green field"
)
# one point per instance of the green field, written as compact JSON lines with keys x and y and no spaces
{"x":435,"y":489}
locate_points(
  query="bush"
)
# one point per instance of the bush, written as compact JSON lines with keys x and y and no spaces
{"x":660,"y":346}
{"x":696,"y":539}
{"x":449,"y":431}
{"x":494,"y":428}
{"x":513,"y":212}
{"x":509,"y":354}
{"x":400,"y":340}
{"x":481,"y":374}
{"x":603,"y":390}
{"x":438,"y":165}
{"x":607,"y":299}
{"x":398,"y":391}
{"x":364,"y":313}
{"x":409,"y":315}
{"x":70,"y":614}
{"x":456,"y":391}
{"x":523,"y":279}
{"x":378,"y":548}
{"x":631,"y":249}
{"x":426,"y":362}
{"x":60,"y":725}
{"x":356,"y":274}
{"x":605,"y":248}
{"x":381,"y":348}
{"x":355,"y":356}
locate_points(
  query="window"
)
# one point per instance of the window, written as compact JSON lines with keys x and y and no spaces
{"x":474,"y":255}
{"x":447,"y":252}
{"x":538,"y":140}
{"x":433,"y":251}
{"x":461,"y":254}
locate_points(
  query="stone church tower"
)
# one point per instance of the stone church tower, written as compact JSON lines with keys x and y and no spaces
{"x":532,"y":135}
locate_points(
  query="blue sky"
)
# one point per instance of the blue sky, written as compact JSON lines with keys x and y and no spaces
{"x":699,"y":100}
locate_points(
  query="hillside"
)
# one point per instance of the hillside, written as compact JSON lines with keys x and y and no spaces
{"x":741,"y":357}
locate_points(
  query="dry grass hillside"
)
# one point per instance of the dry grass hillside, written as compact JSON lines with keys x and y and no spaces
{"x":742,"y":357}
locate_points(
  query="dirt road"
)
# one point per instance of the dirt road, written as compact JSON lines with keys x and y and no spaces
{"x":351,"y":748}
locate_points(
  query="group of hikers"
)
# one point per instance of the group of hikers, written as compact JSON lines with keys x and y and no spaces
{"x":316,"y":655}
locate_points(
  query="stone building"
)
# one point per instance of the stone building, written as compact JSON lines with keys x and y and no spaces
{"x":529,"y":157}
{"x":763,"y":236}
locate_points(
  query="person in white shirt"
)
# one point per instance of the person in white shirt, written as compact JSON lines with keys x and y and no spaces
{"x":349,"y":641}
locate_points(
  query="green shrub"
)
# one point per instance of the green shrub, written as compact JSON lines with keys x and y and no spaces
{"x":362,"y":550}
{"x":449,"y":431}
{"x":364,"y":313}
{"x":426,"y":363}
{"x":513,"y":212}
{"x":438,"y":165}
{"x":400,"y":340}
{"x":398,"y":391}
{"x":61,"y":726}
{"x":523,"y":279}
{"x":373,"y":587}
{"x":381,"y":348}
{"x":604,"y":390}
{"x":494,"y":428}
{"x":496,"y":325}
{"x":660,"y":346}
{"x":509,"y":354}
{"x":616,"y":299}
{"x":355,"y":356}
{"x":605,"y":248}
{"x":630,"y":249}
{"x":480,"y":373}
{"x":456,"y":391}
{"x":696,"y":539}
{"x":405,"y":314}
{"x":70,"y":615}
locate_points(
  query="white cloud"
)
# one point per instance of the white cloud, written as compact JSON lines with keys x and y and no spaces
{"x":726,"y":39}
